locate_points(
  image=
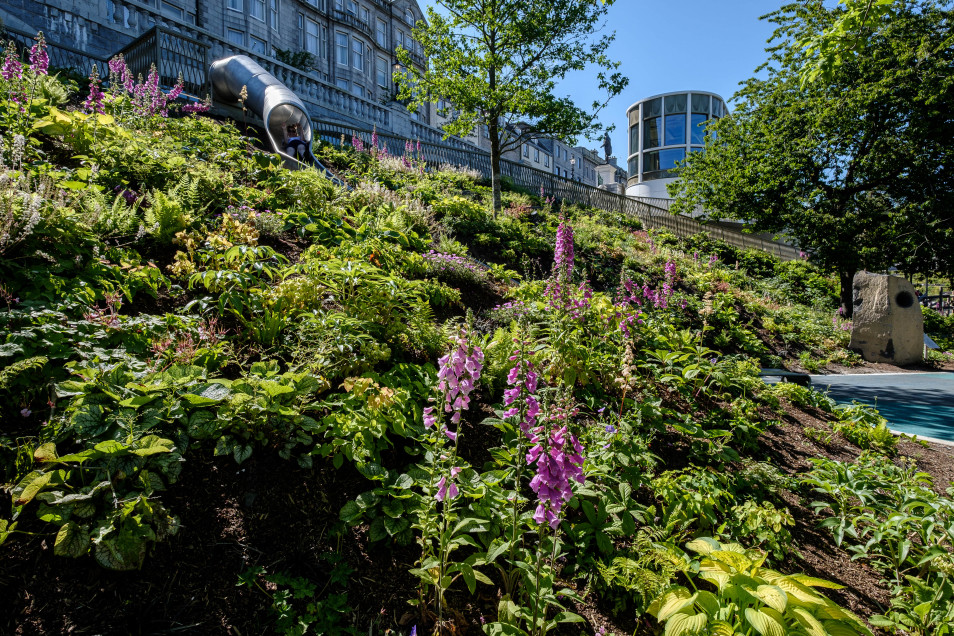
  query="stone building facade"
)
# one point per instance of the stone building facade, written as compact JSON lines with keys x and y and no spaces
{"x":353,"y":44}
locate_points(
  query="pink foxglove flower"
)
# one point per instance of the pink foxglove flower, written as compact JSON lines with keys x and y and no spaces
{"x":39,"y":58}
{"x":12,"y":68}
{"x":94,"y":101}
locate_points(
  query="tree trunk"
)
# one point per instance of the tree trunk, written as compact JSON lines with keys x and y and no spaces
{"x":846,"y":278}
{"x":493,"y":129}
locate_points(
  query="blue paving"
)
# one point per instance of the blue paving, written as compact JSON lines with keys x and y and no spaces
{"x":914,"y":403}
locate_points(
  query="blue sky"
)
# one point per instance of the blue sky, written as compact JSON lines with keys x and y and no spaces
{"x":672,"y":45}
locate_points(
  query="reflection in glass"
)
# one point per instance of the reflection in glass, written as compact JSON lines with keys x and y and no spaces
{"x":634,"y":139}
{"x":669,"y":158}
{"x":676,"y":103}
{"x":700,"y":103}
{"x":697,"y":129}
{"x":653,"y":134}
{"x":675,"y":129}
{"x":633,"y":166}
{"x":652,"y":108}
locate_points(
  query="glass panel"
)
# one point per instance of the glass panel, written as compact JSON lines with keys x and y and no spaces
{"x":700,"y":103}
{"x":669,"y":158}
{"x":633,"y":116}
{"x":696,"y":149}
{"x":341,"y":46}
{"x":257,"y":45}
{"x":675,"y":129}
{"x":653,"y":134}
{"x":633,"y":166}
{"x":652,"y":108}
{"x":236,"y":37}
{"x":650,"y":161}
{"x":634,"y":139}
{"x":676,"y":104}
{"x":697,"y":129}
{"x":718,"y":108}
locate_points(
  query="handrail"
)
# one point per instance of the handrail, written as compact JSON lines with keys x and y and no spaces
{"x":650,"y":213}
{"x":61,"y":55}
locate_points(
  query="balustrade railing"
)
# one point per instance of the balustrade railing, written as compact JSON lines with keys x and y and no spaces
{"x":352,"y":21}
{"x":646,"y":210}
{"x":61,"y":56}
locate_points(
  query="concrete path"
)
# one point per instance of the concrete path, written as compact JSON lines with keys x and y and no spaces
{"x":919,"y":404}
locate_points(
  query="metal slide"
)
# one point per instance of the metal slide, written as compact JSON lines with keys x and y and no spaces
{"x":268,"y":98}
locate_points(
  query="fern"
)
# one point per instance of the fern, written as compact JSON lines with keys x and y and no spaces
{"x":10,"y":374}
{"x":165,"y":216}
{"x":646,"y":570}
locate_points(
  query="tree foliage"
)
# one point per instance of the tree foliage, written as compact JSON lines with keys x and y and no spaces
{"x":856,"y":167}
{"x":497,"y":62}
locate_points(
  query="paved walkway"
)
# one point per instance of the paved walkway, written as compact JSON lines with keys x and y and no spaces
{"x":919,"y":404}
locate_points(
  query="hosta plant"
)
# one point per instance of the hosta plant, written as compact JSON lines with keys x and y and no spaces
{"x":749,"y":599}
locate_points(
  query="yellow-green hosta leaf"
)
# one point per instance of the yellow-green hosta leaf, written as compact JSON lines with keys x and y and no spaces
{"x":686,"y":624}
{"x":764,"y":623}
{"x":672,"y":602}
{"x":809,"y":623}
{"x":799,"y":594}
{"x":721,"y":628}
{"x":811,"y":581}
{"x":704,"y":545}
{"x":708,"y":602}
{"x":735,"y":560}
{"x":717,"y":578}
{"x":835,"y":628}
{"x":773,"y":596}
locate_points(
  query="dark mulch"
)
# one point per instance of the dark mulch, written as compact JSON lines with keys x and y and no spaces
{"x":271,"y":513}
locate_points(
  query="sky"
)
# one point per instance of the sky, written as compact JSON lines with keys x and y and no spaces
{"x":674,"y":45}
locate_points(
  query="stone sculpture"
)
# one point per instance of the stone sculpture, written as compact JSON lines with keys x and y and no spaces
{"x":887,"y":325}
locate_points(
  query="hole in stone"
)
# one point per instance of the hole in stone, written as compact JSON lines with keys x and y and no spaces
{"x":904,"y":299}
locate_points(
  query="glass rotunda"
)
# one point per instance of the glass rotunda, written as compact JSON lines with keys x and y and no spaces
{"x":662,"y":129}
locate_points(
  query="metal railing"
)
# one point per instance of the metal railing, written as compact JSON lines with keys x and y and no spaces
{"x":174,"y":54}
{"x":650,"y":214}
{"x":61,"y":56}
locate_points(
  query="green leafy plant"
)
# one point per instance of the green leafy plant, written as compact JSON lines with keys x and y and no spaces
{"x":748,"y":598}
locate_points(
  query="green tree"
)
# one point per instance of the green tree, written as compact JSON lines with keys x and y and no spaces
{"x":498,"y":62}
{"x":857,"y":167}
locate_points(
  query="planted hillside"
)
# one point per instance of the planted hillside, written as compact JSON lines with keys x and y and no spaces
{"x":238,"y":399}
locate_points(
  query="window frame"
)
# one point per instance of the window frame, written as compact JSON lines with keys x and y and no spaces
{"x":339,"y":37}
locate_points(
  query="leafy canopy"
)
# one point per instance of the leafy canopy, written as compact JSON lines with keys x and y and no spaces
{"x":497,"y":63}
{"x":857,"y":168}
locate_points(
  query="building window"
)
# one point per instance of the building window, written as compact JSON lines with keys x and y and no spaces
{"x":256,"y":9}
{"x":312,"y":43}
{"x":526,"y":150}
{"x":343,"y":84}
{"x":235,"y":5}
{"x":400,"y":40}
{"x":675,"y":128}
{"x":339,"y":5}
{"x":352,"y":7}
{"x":173,"y":10}
{"x":381,"y":34}
{"x":366,"y":16}
{"x":382,"y":72}
{"x":236,"y":37}
{"x":536,"y":155}
{"x":257,"y":45}
{"x":634,"y":139}
{"x":409,"y":17}
{"x":357,"y":54}
{"x":273,"y":14}
{"x":341,"y":48}
{"x":546,"y":161}
{"x":657,"y":164}
{"x":653,"y":133}
{"x":697,"y":128}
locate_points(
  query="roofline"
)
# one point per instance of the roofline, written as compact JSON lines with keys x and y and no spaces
{"x":646,"y":99}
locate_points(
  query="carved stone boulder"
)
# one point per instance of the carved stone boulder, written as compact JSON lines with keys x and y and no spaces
{"x":887,"y":325}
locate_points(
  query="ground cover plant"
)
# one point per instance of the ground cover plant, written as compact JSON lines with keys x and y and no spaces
{"x":239,"y":399}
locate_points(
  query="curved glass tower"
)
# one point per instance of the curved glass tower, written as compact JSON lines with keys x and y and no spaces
{"x":662,"y":129}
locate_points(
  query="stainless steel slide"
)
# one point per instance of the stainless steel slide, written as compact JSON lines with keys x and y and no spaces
{"x":268,"y":98}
